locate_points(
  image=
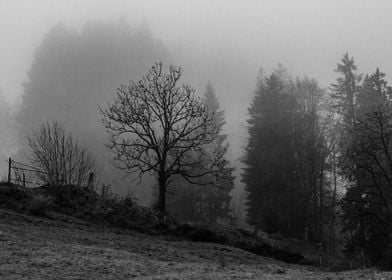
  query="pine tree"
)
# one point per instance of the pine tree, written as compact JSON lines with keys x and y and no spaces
{"x":344,"y":91}
{"x":217,"y":200}
{"x":286,"y":157}
{"x":269,"y":175}
{"x":367,"y":217}
{"x":373,"y":93}
{"x":344,"y":94}
{"x":207,"y":203}
{"x":312,"y":148}
{"x":7,"y":128}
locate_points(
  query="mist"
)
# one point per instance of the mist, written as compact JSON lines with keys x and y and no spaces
{"x":222,"y":42}
{"x":132,"y":128}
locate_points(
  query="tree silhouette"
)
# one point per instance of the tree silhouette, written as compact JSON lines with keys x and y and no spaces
{"x":156,"y":126}
{"x":56,"y":153}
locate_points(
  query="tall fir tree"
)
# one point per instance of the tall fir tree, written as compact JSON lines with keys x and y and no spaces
{"x":345,"y":89}
{"x":312,"y":148}
{"x":7,"y":128}
{"x":207,"y":203}
{"x":269,"y":175}
{"x":366,"y":216}
{"x":286,"y":157}
{"x":343,"y":95}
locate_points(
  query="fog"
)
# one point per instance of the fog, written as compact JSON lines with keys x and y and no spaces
{"x":306,"y":36}
{"x":224,"y":42}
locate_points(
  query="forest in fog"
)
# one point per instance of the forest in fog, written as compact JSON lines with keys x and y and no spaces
{"x":303,"y":159}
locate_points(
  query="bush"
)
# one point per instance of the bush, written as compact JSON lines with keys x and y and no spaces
{"x":13,"y":196}
{"x":40,"y":205}
{"x":71,"y":197}
{"x":205,"y":235}
{"x":119,"y":213}
{"x":200,"y":234}
{"x":59,"y":157}
{"x":386,"y":259}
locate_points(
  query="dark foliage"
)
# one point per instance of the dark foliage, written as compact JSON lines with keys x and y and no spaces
{"x":286,"y":157}
{"x":364,"y":162}
{"x":40,"y":205}
{"x":269,"y":157}
{"x":13,"y":196}
{"x":200,"y":234}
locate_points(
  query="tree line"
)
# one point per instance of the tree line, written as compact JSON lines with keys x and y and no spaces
{"x":318,"y":162}
{"x":66,"y":101}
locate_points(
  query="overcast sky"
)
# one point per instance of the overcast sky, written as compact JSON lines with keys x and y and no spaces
{"x":307,"y":36}
{"x":223,"y":41}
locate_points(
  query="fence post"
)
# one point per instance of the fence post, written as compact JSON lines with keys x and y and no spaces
{"x":24,"y":180}
{"x":9,"y":171}
{"x":90,"y":183}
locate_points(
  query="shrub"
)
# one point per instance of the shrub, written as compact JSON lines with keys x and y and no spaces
{"x":200,"y":234}
{"x":59,"y":157}
{"x":13,"y":196}
{"x":73,"y":197}
{"x":204,"y":235}
{"x":386,"y":259}
{"x":119,"y":213}
{"x":40,"y":205}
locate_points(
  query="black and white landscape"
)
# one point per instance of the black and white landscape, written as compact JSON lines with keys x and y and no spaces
{"x":195,"y":139}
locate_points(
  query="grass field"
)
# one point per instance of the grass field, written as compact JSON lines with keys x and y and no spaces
{"x":66,"y":248}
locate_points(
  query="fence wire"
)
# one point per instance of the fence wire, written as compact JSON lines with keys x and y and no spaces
{"x":23,"y":174}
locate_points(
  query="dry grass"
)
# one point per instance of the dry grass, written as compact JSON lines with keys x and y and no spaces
{"x":67,"y":248}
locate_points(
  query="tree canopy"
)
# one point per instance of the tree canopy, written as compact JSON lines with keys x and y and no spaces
{"x":158,"y":126}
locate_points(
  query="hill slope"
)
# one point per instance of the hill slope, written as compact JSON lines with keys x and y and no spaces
{"x":40,"y":248}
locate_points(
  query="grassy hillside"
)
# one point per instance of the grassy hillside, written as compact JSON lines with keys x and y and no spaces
{"x":79,"y":234}
{"x":33,"y":247}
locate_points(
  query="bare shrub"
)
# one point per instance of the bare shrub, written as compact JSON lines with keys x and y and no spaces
{"x":59,"y":157}
{"x":40,"y":205}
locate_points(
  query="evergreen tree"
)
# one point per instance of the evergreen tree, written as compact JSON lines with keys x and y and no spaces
{"x":286,"y":157}
{"x":7,"y":128}
{"x":344,"y":94}
{"x":207,"y":203}
{"x":270,"y":178}
{"x":344,"y":91}
{"x":312,"y":148}
{"x":373,"y":93}
{"x":367,"y":218}
{"x":73,"y":72}
{"x":217,"y":200}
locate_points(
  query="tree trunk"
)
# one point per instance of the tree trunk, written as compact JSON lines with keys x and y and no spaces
{"x":315,"y":213}
{"x":333,"y":236}
{"x":162,"y":194}
{"x":321,"y":206}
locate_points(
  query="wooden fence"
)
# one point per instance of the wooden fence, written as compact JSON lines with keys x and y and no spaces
{"x":23,"y":174}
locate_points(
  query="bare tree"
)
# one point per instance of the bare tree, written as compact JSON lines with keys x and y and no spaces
{"x":156,"y":126}
{"x":58,"y":155}
{"x":373,"y":158}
